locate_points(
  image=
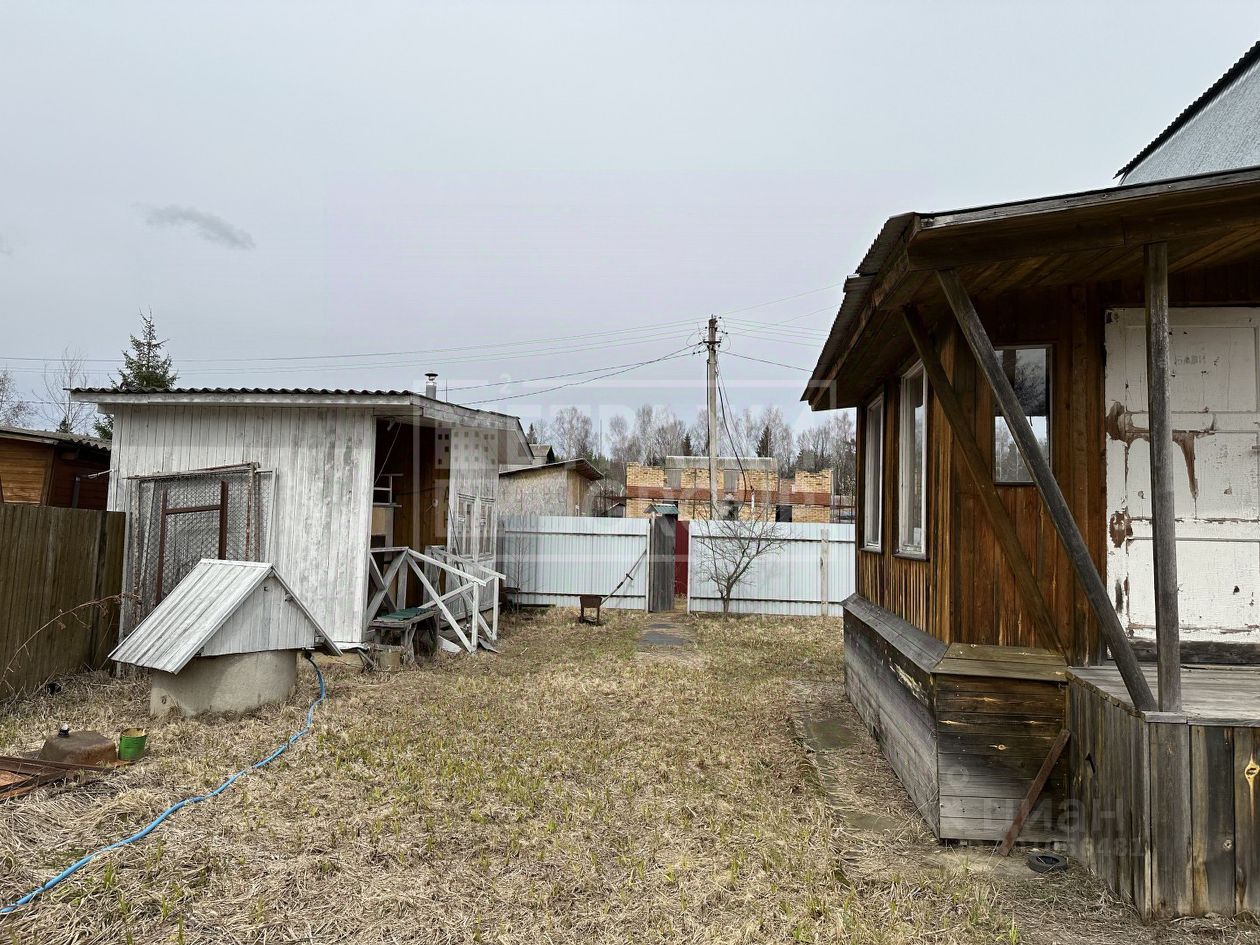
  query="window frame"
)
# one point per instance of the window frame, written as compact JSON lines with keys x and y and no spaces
{"x":998,"y":418}
{"x":877,"y":494}
{"x":905,"y":447}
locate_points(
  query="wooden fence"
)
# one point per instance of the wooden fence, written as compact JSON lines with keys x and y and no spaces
{"x":56,"y":562}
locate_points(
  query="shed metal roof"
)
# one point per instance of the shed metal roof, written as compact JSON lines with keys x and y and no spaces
{"x":186,"y":620}
{"x":385,"y":402}
{"x":583,"y":467}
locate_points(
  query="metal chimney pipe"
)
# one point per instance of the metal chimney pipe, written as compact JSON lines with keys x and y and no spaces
{"x":430,"y":385}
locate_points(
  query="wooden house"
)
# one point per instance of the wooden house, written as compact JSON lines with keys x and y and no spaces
{"x":1058,"y":526}
{"x":374,"y":505}
{"x":42,"y":467}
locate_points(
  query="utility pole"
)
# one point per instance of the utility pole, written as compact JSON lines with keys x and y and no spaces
{"x":712,"y":345}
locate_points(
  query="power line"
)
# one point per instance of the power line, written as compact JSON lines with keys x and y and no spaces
{"x":680,"y":353}
{"x":545,"y":377}
{"x":533,"y":342}
{"x":786,"y":298}
{"x":792,"y":367}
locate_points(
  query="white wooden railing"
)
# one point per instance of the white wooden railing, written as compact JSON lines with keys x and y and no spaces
{"x":454,"y":589}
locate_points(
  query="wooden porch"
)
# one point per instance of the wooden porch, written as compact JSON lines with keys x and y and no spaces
{"x":1165,"y":802}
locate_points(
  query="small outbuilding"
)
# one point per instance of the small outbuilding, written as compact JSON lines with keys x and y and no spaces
{"x":224,"y":639}
{"x":42,"y":467}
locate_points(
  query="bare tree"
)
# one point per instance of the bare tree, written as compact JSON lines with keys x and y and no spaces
{"x":572,"y":433}
{"x":58,"y":411}
{"x":733,"y":545}
{"x":13,"y":409}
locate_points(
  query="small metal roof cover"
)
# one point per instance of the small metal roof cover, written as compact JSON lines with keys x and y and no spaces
{"x":210,"y":613}
{"x":664,"y":508}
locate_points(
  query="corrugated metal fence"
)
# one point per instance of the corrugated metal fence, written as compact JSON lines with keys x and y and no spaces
{"x":808,"y":575}
{"x":551,"y":559}
{"x":56,"y":562}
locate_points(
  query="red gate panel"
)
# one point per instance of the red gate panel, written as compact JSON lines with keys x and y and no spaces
{"x":682,"y":538}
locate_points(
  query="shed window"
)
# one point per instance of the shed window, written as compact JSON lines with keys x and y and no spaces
{"x":912,"y":464}
{"x":1028,"y":370}
{"x":673,"y":477}
{"x":873,"y":476}
{"x":730,"y":479}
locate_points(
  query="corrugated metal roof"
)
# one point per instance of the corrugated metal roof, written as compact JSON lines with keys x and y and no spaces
{"x":313,"y":391}
{"x":1233,"y":72}
{"x":52,"y":436}
{"x":582,"y":467}
{"x":186,"y":620}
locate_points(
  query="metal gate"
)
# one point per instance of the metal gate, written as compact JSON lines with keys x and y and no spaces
{"x":180,"y":518}
{"x":661,"y":563}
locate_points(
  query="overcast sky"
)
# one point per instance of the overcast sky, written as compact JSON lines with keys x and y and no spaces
{"x":466,"y":183}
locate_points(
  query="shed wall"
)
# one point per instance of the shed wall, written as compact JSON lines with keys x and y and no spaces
{"x":322,"y":458}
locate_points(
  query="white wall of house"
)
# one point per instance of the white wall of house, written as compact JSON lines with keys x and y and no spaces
{"x":323,"y":462}
{"x":1216,"y":427}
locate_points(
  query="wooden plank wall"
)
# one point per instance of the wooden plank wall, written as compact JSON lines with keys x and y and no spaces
{"x":24,"y":470}
{"x":965,"y":592}
{"x":1166,"y":810}
{"x":993,"y":732}
{"x":53,"y":560}
{"x":891,"y":693}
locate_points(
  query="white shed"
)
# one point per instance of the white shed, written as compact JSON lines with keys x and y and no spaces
{"x":331,"y":486}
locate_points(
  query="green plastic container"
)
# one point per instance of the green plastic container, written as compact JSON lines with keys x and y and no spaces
{"x":131,"y":744}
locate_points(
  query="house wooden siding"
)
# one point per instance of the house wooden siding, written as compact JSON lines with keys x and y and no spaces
{"x":322,"y":458}
{"x":962,"y":591}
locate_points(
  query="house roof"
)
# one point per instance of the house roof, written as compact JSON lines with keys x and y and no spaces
{"x":582,"y":467}
{"x":1245,"y":62}
{"x":542,"y":451}
{"x":1091,"y":236}
{"x":187,"y":618}
{"x":52,"y":437}
{"x":384,"y":402}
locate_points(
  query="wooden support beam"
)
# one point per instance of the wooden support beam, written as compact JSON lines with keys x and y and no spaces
{"x":1034,"y":791}
{"x":1163,"y":515}
{"x":981,"y":474}
{"x":1056,"y":505}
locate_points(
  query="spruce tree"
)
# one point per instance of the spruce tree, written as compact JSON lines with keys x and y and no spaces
{"x":145,"y":367}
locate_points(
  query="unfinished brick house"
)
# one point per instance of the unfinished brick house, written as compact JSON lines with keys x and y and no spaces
{"x":751,"y":482}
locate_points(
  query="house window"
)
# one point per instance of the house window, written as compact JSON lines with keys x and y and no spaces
{"x":673,"y":477}
{"x":1028,"y":370}
{"x":782,"y":513}
{"x":873,"y":476}
{"x":730,"y":480}
{"x":912,"y":464}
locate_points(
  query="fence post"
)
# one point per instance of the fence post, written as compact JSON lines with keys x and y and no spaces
{"x":825,"y":563}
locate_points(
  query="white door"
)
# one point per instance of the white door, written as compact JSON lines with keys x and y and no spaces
{"x":1216,"y":424}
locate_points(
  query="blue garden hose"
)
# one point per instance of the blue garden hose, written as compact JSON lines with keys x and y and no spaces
{"x":186,"y":802}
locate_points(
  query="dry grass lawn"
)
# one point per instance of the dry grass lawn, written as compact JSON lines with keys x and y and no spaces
{"x":571,"y":789}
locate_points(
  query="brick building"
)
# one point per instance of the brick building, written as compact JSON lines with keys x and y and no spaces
{"x":752,"y":482}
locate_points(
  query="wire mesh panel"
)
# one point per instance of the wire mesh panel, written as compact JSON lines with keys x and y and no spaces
{"x":179,"y":519}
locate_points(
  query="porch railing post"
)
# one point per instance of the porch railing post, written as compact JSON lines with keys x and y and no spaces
{"x":1163,"y":510}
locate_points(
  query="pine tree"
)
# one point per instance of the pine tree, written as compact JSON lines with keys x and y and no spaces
{"x":687,"y":448}
{"x":145,"y":367}
{"x":765,"y":445}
